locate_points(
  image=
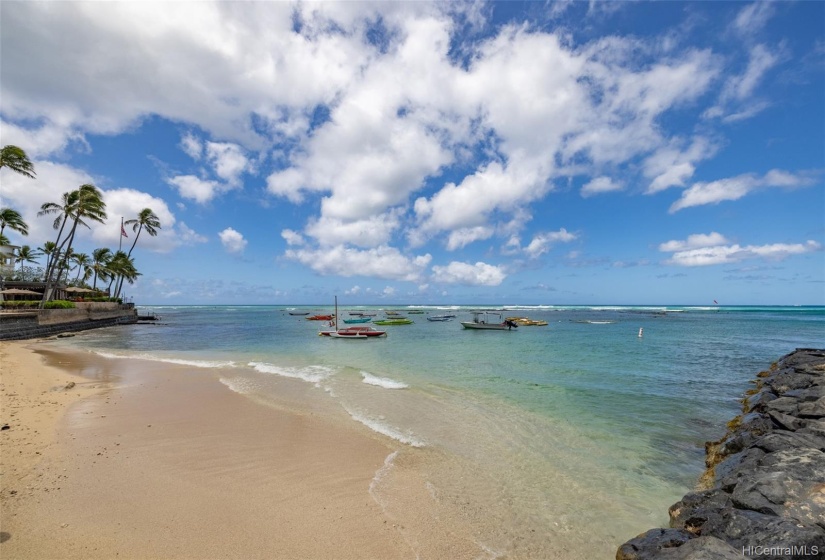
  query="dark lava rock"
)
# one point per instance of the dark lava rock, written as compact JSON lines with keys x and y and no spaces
{"x":648,"y":545}
{"x":702,"y":548}
{"x":744,"y":528}
{"x":766,"y":476}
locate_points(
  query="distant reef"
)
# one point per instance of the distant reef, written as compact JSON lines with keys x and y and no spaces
{"x":763,"y":493}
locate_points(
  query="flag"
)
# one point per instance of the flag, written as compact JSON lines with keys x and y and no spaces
{"x":123,"y":231}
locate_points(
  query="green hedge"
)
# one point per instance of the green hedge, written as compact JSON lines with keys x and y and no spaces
{"x":19,"y":304}
{"x":59,"y":304}
{"x":56,"y":304}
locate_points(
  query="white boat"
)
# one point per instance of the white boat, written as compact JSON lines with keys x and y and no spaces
{"x":487,"y":321}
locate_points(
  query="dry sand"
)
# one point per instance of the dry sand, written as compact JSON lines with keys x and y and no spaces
{"x":147,"y":460}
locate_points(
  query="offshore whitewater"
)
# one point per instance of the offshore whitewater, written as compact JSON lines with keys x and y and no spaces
{"x":574,"y":436}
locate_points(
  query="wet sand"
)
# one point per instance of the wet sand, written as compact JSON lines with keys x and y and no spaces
{"x":147,"y":460}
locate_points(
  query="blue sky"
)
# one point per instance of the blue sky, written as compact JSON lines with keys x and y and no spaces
{"x":536,"y":153}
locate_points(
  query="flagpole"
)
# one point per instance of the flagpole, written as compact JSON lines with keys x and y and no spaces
{"x":120,"y":237}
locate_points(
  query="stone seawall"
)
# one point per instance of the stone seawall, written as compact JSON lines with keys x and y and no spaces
{"x":763,"y":493}
{"x":47,"y":322}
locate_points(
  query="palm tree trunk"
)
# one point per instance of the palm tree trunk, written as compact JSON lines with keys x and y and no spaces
{"x":129,"y":254}
{"x":58,"y":263}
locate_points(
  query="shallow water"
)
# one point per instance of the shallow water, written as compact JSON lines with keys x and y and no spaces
{"x":564,"y":440}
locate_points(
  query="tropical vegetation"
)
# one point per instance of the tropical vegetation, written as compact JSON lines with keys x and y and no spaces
{"x":64,"y":266}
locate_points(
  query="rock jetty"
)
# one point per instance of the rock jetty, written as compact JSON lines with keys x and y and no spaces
{"x":763,"y":493}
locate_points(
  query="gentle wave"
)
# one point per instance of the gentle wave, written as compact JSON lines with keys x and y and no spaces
{"x":239,"y":385}
{"x":311,"y":374}
{"x":384,"y":382}
{"x":380,"y":474}
{"x":385,"y":430}
{"x":176,"y":361}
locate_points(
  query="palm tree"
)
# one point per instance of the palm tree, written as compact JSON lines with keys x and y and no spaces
{"x":64,"y":211}
{"x":83,"y":264}
{"x":85,"y":202}
{"x":100,"y":264}
{"x":26,"y":255}
{"x":147,"y":220}
{"x":13,"y":220}
{"x":122,"y":266}
{"x":16,"y":159}
{"x":48,"y":249}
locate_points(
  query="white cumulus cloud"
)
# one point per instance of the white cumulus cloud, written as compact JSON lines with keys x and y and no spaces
{"x":600,"y":185}
{"x":734,"y":188}
{"x":380,"y":262}
{"x":232,"y":241}
{"x":696,"y":240}
{"x":478,"y":274}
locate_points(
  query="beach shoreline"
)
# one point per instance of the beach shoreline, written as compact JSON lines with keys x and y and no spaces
{"x":146,"y":460}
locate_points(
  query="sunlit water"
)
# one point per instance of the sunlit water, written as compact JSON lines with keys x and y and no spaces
{"x":573,"y":436}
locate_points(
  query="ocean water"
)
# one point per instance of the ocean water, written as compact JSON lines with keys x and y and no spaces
{"x":556,"y":441}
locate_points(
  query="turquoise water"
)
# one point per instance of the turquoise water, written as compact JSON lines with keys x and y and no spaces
{"x":569,"y":437}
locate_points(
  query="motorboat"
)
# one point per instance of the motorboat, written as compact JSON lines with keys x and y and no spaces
{"x":487,"y":321}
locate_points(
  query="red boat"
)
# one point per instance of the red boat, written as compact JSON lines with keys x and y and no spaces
{"x":320,"y":318}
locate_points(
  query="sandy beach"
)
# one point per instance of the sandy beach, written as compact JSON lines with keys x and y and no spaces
{"x":145,"y":460}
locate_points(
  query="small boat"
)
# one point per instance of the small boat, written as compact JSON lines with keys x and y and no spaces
{"x":415,"y":312}
{"x":527,"y":322}
{"x":351,"y":336}
{"x":299,"y":312}
{"x":358,"y":333}
{"x":394,"y":321}
{"x":358,"y":320}
{"x":320,"y":318}
{"x":486,"y":321}
{"x":440,"y":318}
{"x":354,"y":332}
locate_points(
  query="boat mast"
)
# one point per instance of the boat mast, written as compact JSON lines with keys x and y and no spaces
{"x":336,"y":314}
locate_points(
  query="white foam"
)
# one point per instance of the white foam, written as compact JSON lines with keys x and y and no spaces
{"x":150,"y":357}
{"x":381,"y":473}
{"x":310,"y":374}
{"x":385,"y":430}
{"x":384,"y":382}
{"x":239,"y":385}
{"x":194,"y":363}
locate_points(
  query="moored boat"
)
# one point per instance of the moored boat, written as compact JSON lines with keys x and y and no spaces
{"x":320,"y":318}
{"x":486,"y":321}
{"x":394,"y":321}
{"x":527,"y":322}
{"x":357,"y":320}
{"x":354,"y":332}
{"x":435,"y":318}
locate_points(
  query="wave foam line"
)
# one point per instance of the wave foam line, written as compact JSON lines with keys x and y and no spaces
{"x":385,"y":430}
{"x":239,"y":385}
{"x":380,"y":474}
{"x":177,"y":361}
{"x":384,"y":382}
{"x":310,"y":374}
